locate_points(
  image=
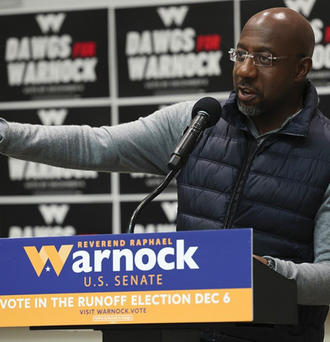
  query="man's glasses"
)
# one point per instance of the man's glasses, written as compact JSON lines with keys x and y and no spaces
{"x":258,"y":58}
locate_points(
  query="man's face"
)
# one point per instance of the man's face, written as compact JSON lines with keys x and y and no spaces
{"x":264,"y":90}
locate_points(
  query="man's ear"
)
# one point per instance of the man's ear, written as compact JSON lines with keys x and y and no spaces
{"x":304,"y":66}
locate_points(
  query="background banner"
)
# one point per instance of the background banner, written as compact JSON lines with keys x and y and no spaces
{"x":158,"y":216}
{"x":54,"y":55}
{"x":55,"y":219}
{"x":316,"y":12}
{"x":174,"y":51}
{"x":324,"y":105}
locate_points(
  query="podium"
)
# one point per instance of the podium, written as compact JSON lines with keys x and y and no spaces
{"x":142,"y":287}
{"x":274,"y":302}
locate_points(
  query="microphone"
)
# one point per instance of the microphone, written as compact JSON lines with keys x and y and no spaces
{"x":205,"y":113}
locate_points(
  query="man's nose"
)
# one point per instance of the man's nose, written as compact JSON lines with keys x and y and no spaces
{"x":246,"y":69}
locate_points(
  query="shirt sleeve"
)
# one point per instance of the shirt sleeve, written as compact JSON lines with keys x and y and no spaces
{"x":313,"y":280}
{"x":144,"y":145}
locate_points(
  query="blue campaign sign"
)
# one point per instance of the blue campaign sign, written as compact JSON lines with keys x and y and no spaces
{"x":194,"y":260}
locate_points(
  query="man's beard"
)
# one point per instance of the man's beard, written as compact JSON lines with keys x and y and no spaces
{"x":252,"y":111}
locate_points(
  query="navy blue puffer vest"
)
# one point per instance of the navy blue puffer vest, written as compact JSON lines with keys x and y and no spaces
{"x":276,"y":188}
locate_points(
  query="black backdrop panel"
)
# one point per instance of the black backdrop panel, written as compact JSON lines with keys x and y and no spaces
{"x":174,"y":49}
{"x":54,"y":55}
{"x":324,"y":105}
{"x":33,"y":220}
{"x":157,"y":216}
{"x":317,"y":13}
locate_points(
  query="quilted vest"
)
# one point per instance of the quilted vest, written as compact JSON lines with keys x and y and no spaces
{"x":276,"y":188}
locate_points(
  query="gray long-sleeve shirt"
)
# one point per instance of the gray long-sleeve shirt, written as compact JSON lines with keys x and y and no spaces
{"x":145,"y":146}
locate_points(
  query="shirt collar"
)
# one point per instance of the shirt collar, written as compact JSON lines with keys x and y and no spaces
{"x":253,"y":129}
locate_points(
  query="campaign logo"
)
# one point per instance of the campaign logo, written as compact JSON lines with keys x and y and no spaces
{"x":56,"y":258}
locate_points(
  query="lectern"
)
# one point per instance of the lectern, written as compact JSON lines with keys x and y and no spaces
{"x":141,"y":287}
{"x":274,"y":302}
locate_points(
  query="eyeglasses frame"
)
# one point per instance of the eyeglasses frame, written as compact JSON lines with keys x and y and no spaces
{"x":270,"y":57}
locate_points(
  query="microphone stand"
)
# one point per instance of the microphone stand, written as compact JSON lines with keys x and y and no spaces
{"x":149,"y":198}
{"x":201,"y":119}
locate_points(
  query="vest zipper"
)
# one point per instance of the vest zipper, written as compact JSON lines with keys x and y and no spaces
{"x":252,"y":149}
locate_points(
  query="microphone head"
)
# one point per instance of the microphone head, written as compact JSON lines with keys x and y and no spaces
{"x":210,"y":107}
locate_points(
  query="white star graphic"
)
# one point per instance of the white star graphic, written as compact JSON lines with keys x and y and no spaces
{"x":47,"y":269}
